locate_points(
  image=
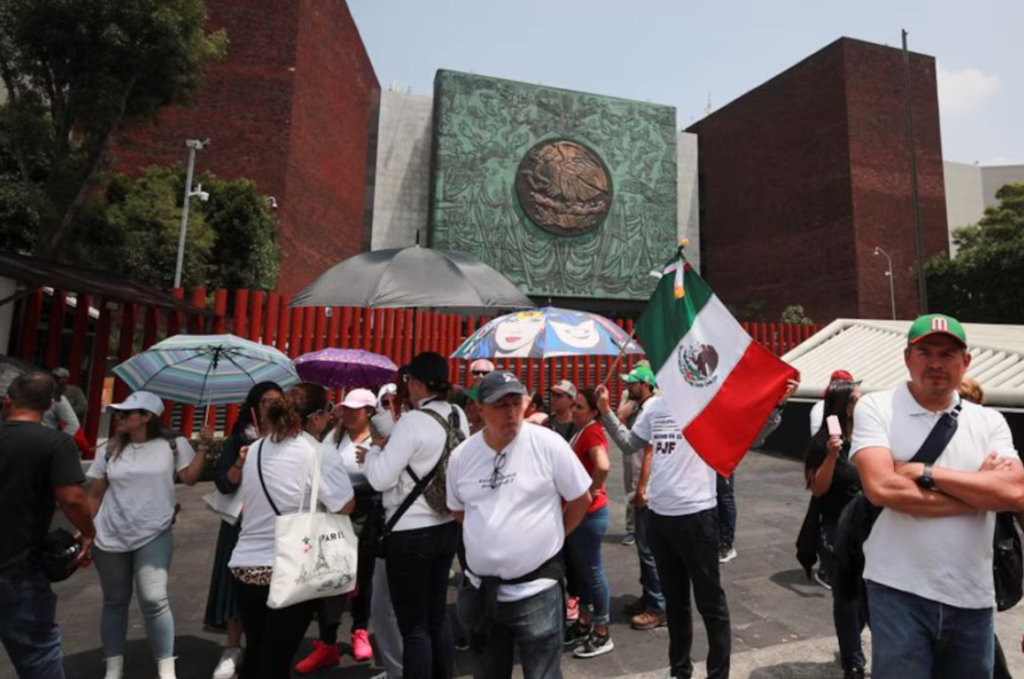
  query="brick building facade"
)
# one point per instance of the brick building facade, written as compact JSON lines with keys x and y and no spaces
{"x":292,"y":107}
{"x":803,"y":177}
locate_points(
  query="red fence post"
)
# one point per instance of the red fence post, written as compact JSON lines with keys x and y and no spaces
{"x":256,"y":332}
{"x":55,"y":329}
{"x":332,"y":327}
{"x":319,"y":328}
{"x":81,"y":328}
{"x":97,"y":374}
{"x":124,"y":351}
{"x":344,"y":331}
{"x":30,"y":330}
{"x":270,"y":320}
{"x":284,"y":325}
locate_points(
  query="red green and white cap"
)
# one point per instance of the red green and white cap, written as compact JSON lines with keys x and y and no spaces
{"x":936,"y":324}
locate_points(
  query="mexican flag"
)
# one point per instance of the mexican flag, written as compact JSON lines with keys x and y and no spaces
{"x":720,"y":384}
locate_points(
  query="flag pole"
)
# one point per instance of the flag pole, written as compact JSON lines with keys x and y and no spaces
{"x":618,"y":359}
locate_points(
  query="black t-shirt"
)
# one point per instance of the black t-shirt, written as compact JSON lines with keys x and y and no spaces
{"x":845,"y":479}
{"x":34,"y":461}
{"x":565,"y":429}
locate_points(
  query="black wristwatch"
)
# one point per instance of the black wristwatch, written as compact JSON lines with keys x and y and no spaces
{"x":925,"y":480}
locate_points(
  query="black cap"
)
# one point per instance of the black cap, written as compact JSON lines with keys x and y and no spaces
{"x":498,"y":385}
{"x":430,"y":368}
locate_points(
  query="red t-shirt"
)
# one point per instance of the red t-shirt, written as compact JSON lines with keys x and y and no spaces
{"x":589,"y":437}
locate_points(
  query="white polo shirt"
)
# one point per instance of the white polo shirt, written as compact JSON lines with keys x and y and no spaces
{"x":513,"y":528}
{"x":681,"y":482}
{"x":947,"y":559}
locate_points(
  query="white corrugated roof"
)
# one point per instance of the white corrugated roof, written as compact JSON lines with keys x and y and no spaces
{"x":873,"y":352}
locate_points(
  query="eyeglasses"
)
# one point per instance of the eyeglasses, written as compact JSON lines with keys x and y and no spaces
{"x":479,"y":373}
{"x":499,"y":464}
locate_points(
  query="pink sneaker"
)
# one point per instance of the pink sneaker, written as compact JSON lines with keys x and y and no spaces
{"x":361,"y":649}
{"x":572,"y":609}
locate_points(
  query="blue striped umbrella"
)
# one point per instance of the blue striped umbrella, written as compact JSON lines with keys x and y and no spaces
{"x":206,"y":369}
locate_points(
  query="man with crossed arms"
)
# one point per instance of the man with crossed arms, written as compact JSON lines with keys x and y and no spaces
{"x":928,"y":559}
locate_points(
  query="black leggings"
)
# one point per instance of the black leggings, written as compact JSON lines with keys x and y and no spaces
{"x":271,"y":636}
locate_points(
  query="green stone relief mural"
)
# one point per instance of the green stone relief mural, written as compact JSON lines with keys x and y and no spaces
{"x":567,"y":194}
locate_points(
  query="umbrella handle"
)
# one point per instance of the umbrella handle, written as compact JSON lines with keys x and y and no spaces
{"x":618,"y":359}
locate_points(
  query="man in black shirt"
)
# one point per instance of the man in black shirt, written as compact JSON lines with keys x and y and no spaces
{"x":39,"y":470}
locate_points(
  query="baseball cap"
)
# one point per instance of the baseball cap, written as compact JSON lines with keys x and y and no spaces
{"x":359,"y":398}
{"x":641,"y":373}
{"x":141,"y":400}
{"x":61,"y":372}
{"x":498,"y":385}
{"x":841,"y":376}
{"x":430,"y":368}
{"x":936,"y":324}
{"x":566,"y":387}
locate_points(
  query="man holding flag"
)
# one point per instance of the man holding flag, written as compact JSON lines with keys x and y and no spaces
{"x":718,"y":389}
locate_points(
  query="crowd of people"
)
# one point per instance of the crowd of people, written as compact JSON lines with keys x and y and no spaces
{"x":513,"y":493}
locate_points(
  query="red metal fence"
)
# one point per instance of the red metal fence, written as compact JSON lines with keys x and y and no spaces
{"x":98,"y":332}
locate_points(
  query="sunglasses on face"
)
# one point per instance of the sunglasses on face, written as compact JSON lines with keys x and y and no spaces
{"x":128,"y":413}
{"x":386,"y":402}
{"x":327,"y":409}
{"x":480,"y":373}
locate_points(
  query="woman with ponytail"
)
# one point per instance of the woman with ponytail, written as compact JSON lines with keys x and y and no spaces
{"x":276,"y":472}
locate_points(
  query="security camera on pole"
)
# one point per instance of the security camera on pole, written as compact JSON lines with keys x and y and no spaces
{"x":193,"y":146}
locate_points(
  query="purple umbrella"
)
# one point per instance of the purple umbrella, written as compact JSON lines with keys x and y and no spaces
{"x":346,"y":368}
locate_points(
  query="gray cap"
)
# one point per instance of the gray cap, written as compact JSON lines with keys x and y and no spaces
{"x":498,"y":385}
{"x":566,"y":387}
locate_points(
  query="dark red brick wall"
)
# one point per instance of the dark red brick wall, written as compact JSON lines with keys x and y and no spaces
{"x":289,"y":107}
{"x":802,"y":176}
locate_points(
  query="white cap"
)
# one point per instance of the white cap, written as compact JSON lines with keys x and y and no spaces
{"x":359,"y":398}
{"x":141,"y":400}
{"x":386,"y":390}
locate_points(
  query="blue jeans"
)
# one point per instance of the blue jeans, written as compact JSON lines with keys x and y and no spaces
{"x":145,"y":568}
{"x":534,"y":625}
{"x":649,"y":579}
{"x":585,"y":545}
{"x":28,"y":627}
{"x":915,"y":638}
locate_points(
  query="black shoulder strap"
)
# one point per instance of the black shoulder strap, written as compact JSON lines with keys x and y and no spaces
{"x":259,"y":469}
{"x":939,"y":437}
{"x":421,"y":484}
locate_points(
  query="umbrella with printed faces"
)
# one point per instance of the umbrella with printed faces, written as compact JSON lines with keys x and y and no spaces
{"x":206,"y":369}
{"x":548,"y":333}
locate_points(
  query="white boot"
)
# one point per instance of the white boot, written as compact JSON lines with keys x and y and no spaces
{"x":165,"y":668}
{"x":115,"y":667}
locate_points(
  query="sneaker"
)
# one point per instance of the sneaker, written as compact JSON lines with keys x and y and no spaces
{"x":462,"y":643}
{"x":629,"y":540}
{"x":726,"y":554}
{"x":572,"y":609}
{"x":649,"y":619}
{"x":821,"y":578}
{"x":576,"y":633}
{"x":361,"y":649}
{"x":636,"y":607}
{"x":594,"y":645}
{"x":230,"y":660}
{"x":323,"y":655}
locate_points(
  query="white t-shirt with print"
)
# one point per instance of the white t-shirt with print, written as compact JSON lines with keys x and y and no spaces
{"x":139,"y":502}
{"x":512,"y":529}
{"x":288,"y":474}
{"x":946,"y":559}
{"x":681,"y":482}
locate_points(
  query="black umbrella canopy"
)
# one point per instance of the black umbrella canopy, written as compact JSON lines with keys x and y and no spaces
{"x":413,"y":277}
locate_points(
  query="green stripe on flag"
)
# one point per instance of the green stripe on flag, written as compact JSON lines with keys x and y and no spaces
{"x":666,"y":320}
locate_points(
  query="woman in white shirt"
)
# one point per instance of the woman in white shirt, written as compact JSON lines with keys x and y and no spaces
{"x":276,"y":477}
{"x":132,"y":495}
{"x":339,"y":450}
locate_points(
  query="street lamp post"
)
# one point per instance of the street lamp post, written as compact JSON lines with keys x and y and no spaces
{"x":193,"y":146}
{"x":892,"y":289}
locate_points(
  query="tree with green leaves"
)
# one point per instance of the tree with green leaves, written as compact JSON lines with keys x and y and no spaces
{"x":75,"y":72}
{"x":981,"y":282}
{"x":231,"y":240}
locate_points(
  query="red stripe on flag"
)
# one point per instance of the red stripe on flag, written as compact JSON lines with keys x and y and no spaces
{"x":724,"y":430}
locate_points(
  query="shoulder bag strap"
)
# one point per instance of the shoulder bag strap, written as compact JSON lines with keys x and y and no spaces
{"x":259,"y":469}
{"x":939,"y":437}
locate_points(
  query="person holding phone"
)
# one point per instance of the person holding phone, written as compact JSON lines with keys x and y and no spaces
{"x":833,"y":479}
{"x":221,"y":612}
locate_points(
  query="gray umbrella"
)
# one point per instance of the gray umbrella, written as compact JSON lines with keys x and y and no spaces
{"x":413,"y":277}
{"x":11,"y":368}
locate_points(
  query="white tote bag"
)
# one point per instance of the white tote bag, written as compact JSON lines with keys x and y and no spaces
{"x":315,"y":553}
{"x":227,"y":507}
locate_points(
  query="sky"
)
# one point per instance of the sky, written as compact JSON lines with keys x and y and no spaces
{"x":687,"y":54}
